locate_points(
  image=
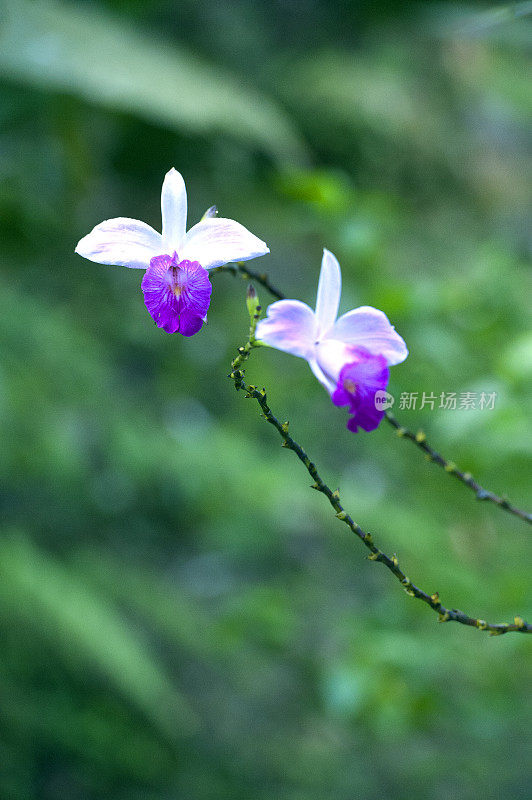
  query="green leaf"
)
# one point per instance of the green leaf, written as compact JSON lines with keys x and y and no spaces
{"x":90,"y":632}
{"x":84,"y":52}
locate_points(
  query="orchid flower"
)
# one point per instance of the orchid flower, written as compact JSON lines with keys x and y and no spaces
{"x":176,"y":285}
{"x":349,"y":356}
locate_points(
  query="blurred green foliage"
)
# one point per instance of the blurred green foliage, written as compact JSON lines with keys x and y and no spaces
{"x":180,"y":615}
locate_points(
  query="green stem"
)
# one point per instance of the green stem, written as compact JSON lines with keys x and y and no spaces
{"x":391,"y":563}
{"x":250,"y":275}
{"x":419,"y":438}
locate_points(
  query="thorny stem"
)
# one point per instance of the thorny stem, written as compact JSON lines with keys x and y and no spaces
{"x":391,"y":563}
{"x":418,"y":438}
{"x":250,"y":275}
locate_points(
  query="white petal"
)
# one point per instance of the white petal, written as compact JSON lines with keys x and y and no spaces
{"x":329,"y":289}
{"x":216,"y":241}
{"x":289,"y":326}
{"x":173,"y":211}
{"x":370,"y":328}
{"x":331,"y":356}
{"x":122,"y":241}
{"x":321,"y":376}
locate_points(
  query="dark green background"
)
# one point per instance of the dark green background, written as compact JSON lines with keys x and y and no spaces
{"x":180,"y":615}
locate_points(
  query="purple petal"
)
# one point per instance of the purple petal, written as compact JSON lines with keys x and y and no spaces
{"x":190,"y":323}
{"x":122,"y":241}
{"x":214,"y":242}
{"x":332,"y":355}
{"x":173,"y":211}
{"x":177,"y":294}
{"x":370,"y":328}
{"x":290,"y":326}
{"x":357,"y":384}
{"x":329,"y":290}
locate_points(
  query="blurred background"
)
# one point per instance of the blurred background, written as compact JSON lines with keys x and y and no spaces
{"x":180,"y":616}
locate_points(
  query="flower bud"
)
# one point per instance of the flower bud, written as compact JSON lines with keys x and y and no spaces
{"x":211,"y":212}
{"x":252,"y":301}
